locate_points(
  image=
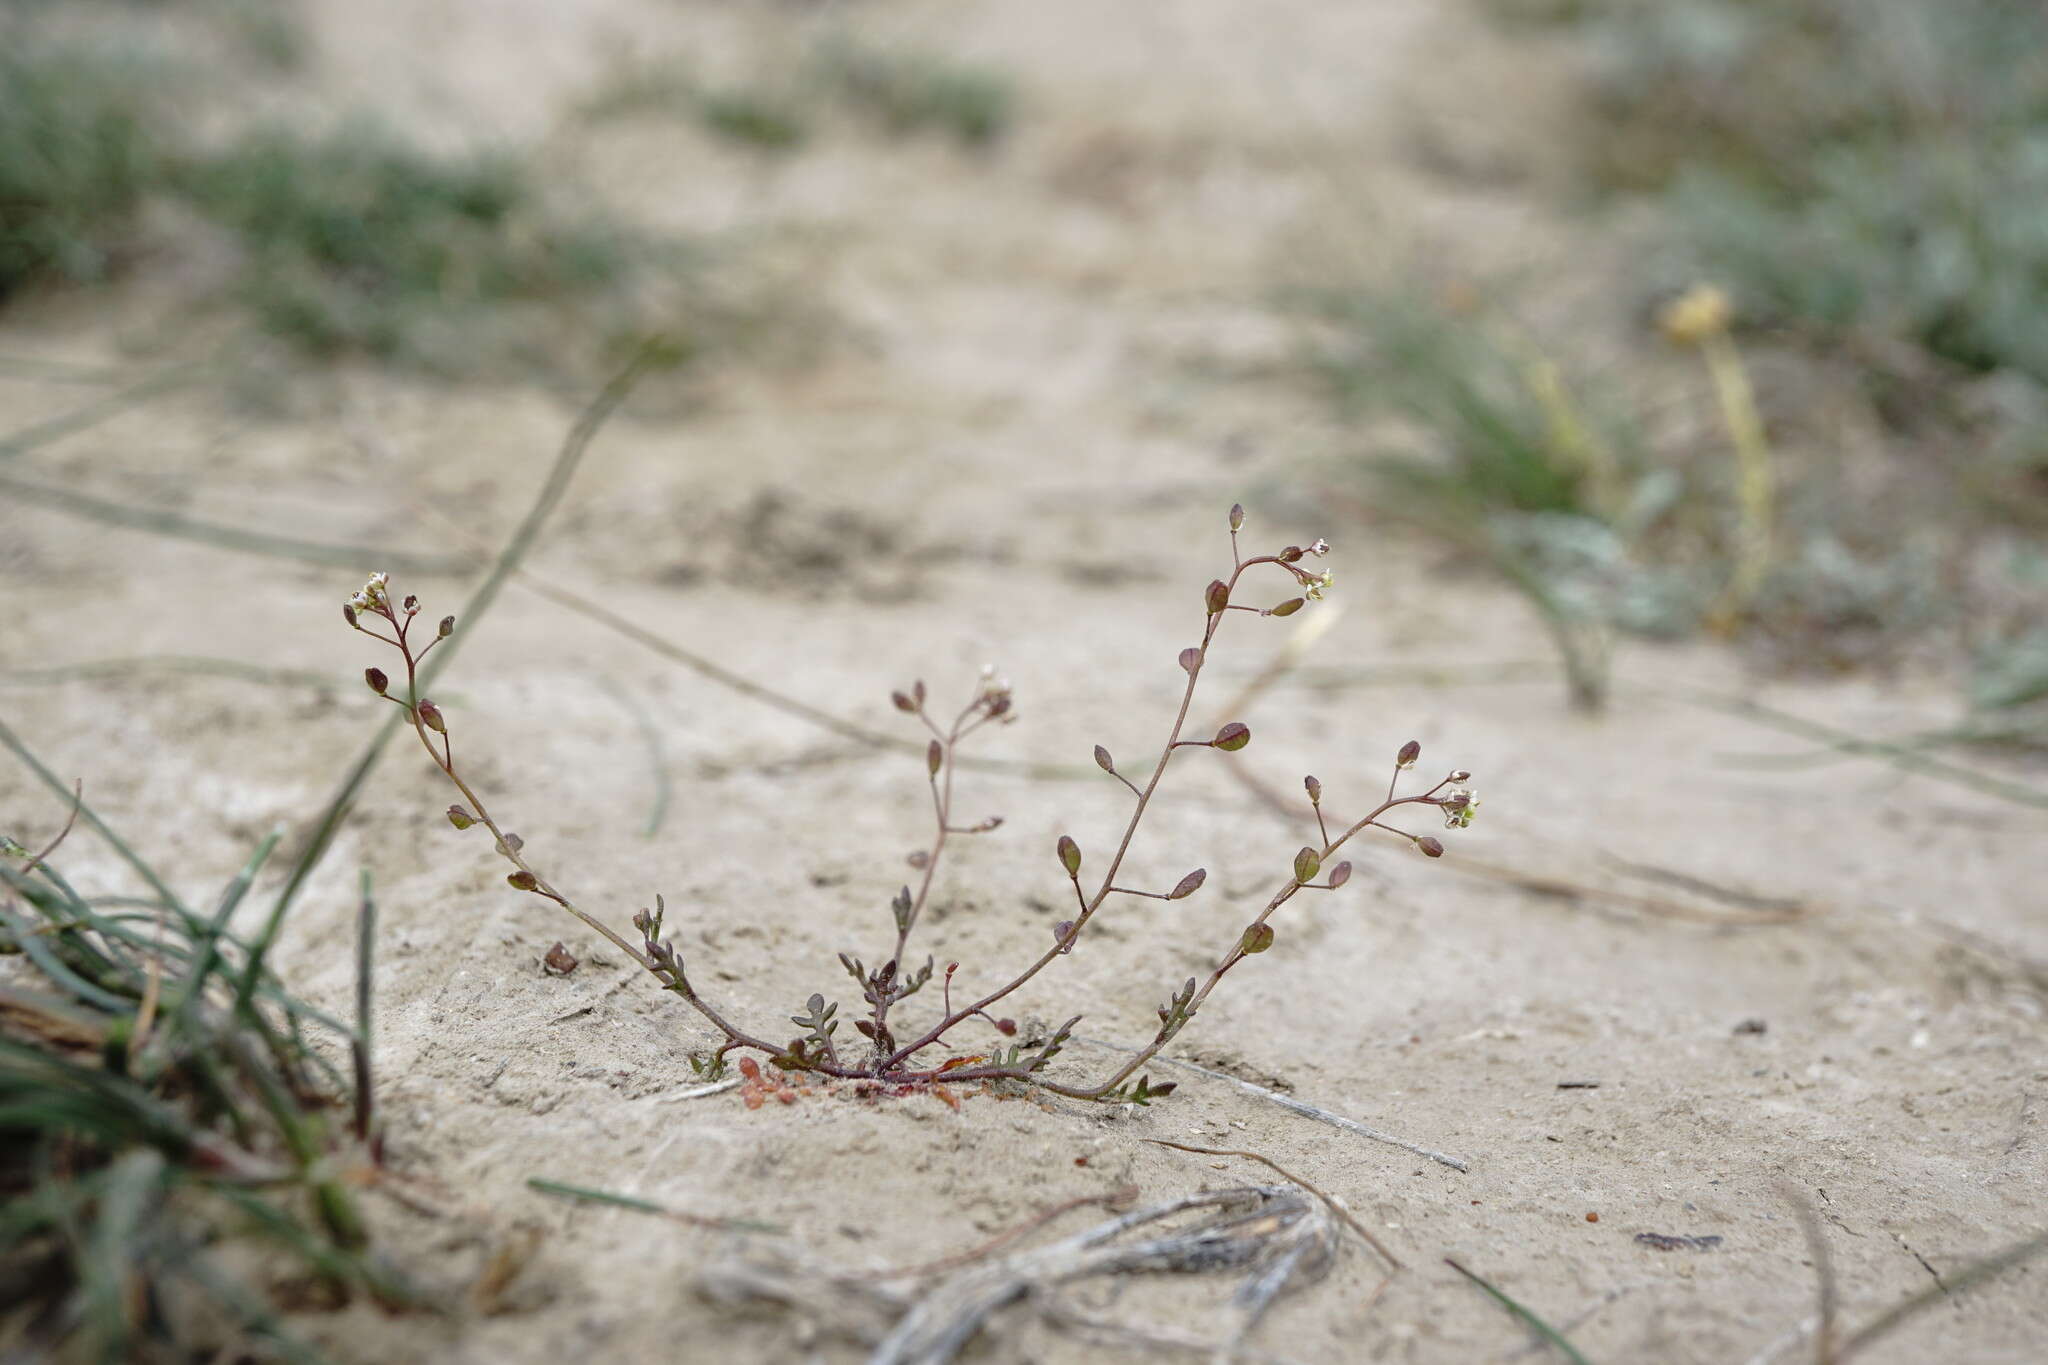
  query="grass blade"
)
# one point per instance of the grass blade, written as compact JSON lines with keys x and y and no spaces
{"x":1535,"y":1324}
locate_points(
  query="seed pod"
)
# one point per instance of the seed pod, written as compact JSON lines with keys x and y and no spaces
{"x":1103,"y":760}
{"x":523,"y":880}
{"x":510,"y":845}
{"x":1315,"y":790}
{"x":903,"y":702}
{"x":1257,"y":939}
{"x":1217,"y":597}
{"x":1431,"y":845}
{"x":1060,"y":932}
{"x":1339,"y":875}
{"x":1191,"y":658}
{"x":1459,"y":776}
{"x":460,"y":818}
{"x":1290,"y":554}
{"x":1007,"y":1027}
{"x":430,"y":716}
{"x":1236,"y":516}
{"x":1070,"y":855}
{"x":1307,"y":863}
{"x":348,"y":614}
{"x":1410,"y":751}
{"x":1287,"y":608}
{"x":1189,"y":884}
{"x":376,"y":679}
{"x":1233,"y":736}
{"x":934,"y":756}
{"x":446,"y":628}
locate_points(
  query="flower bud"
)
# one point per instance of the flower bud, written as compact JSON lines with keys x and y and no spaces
{"x":1306,"y":864}
{"x":1103,"y":760}
{"x":1217,"y":597}
{"x":1257,"y":938}
{"x":934,"y":756}
{"x":1430,"y":845}
{"x":1410,"y":751}
{"x":1189,"y":884}
{"x":376,"y":679}
{"x":460,"y":818}
{"x":348,"y":614}
{"x":523,"y":880}
{"x":1236,"y":516}
{"x":1287,"y":608}
{"x":430,"y":716}
{"x":1233,"y":736}
{"x":1070,"y":855}
{"x":1191,"y":658}
{"x":1459,"y":776}
{"x":1315,"y":790}
{"x":446,"y":628}
{"x":412,"y":605}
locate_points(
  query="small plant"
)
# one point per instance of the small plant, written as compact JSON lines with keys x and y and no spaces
{"x":162,"y":1110}
{"x":891,"y":1055}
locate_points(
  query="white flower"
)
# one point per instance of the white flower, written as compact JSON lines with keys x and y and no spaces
{"x":1321,"y":547}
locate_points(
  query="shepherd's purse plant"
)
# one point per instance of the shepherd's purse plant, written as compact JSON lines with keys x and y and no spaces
{"x":895,"y":1055}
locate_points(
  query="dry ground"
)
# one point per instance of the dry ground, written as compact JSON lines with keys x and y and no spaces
{"x":1038,"y":401}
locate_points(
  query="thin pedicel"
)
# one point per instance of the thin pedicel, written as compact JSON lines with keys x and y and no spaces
{"x":888,"y":1059}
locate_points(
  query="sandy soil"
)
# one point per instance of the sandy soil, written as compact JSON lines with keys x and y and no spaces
{"x":1045,"y":391}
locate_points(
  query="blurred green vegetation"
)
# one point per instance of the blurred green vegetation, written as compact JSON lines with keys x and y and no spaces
{"x":901,"y":93}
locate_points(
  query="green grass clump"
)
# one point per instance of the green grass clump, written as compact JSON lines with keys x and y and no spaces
{"x":358,"y":243}
{"x":919,"y":92}
{"x":79,"y":153}
{"x":172,"y":1149}
{"x":1868,"y":171}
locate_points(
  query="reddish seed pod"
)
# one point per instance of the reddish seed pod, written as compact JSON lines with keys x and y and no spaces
{"x":1103,"y":760}
{"x":1191,"y":658}
{"x":1290,"y":554}
{"x":1059,"y":935}
{"x":523,"y":880}
{"x":1070,"y":855}
{"x":917,"y":691}
{"x":348,"y":614}
{"x":1189,"y":884}
{"x":1233,"y":736}
{"x":1315,"y":790}
{"x":903,"y":702}
{"x":1217,"y":597}
{"x":1431,"y":845}
{"x":376,"y":679}
{"x":430,"y":716}
{"x":1339,"y":875}
{"x":1007,"y":1027}
{"x":1410,"y":751}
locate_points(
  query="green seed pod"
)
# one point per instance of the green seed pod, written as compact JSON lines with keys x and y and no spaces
{"x":1070,"y":855}
{"x":934,"y":757}
{"x":1307,"y":863}
{"x":446,"y":628}
{"x":460,"y":818}
{"x":1257,"y":939}
{"x":1287,"y":608}
{"x":1233,"y":736}
{"x":1217,"y":597}
{"x":523,"y":880}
